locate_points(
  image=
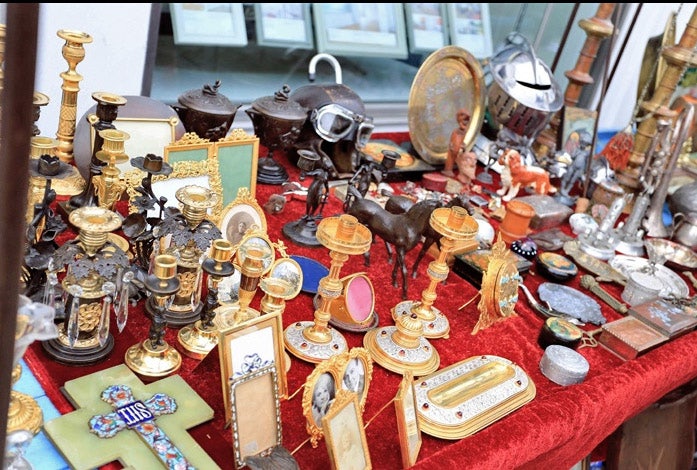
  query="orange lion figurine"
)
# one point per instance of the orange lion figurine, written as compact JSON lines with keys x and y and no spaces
{"x":516,"y":175}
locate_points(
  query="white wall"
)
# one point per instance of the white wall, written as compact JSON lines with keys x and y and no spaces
{"x":114,"y":60}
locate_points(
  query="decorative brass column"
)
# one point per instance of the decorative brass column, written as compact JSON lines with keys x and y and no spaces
{"x":73,"y":52}
{"x":597,"y":29}
{"x":315,"y":341}
{"x":455,"y":225}
{"x":677,"y":57}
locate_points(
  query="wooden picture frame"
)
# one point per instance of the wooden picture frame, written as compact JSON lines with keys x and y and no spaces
{"x":255,"y":414}
{"x":244,"y":209}
{"x":325,"y":382}
{"x":345,"y":434}
{"x":407,"y":421}
{"x":238,"y":156}
{"x":379,"y":32}
{"x":427,"y":28}
{"x":249,"y":346}
{"x":208,"y":24}
{"x":470,"y":28}
{"x":146,"y":135}
{"x":284,"y":25}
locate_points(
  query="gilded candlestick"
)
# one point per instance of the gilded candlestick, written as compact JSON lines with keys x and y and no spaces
{"x":108,"y":186}
{"x":316,"y":341}
{"x":73,"y":52}
{"x":456,"y":226}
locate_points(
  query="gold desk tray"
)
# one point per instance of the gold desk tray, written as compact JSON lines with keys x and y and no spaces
{"x":468,"y":396}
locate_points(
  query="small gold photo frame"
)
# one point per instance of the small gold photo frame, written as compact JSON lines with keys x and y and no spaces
{"x":238,"y":156}
{"x":346,"y":441}
{"x":327,"y":379}
{"x":241,"y":214}
{"x":248,"y":347}
{"x":256,"y":414}
{"x":407,"y":421}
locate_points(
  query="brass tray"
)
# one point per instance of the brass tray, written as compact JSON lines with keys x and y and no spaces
{"x":374,"y":148}
{"x":468,"y":396}
{"x":449,"y":79}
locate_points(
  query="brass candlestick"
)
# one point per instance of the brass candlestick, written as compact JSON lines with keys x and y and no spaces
{"x":192,"y":235}
{"x":199,"y":338}
{"x":456,"y":226}
{"x":317,"y":341}
{"x":283,"y":283}
{"x":40,"y":145}
{"x":73,"y":52}
{"x":108,"y":186}
{"x":254,"y":257}
{"x":92,"y":261}
{"x":154,"y":357}
{"x":105,"y":114}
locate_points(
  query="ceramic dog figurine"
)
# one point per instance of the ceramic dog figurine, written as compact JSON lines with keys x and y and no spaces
{"x":516,"y":175}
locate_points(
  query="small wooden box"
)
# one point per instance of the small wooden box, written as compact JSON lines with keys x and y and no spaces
{"x":629,"y":337}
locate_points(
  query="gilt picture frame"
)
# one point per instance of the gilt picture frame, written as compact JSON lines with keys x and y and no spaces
{"x":247,"y":347}
{"x":255,"y":414}
{"x":345,"y":435}
{"x":410,"y":439}
{"x":238,"y":157}
{"x":241,"y":214}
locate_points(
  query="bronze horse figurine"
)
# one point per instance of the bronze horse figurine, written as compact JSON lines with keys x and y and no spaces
{"x":401,"y":230}
{"x":400,"y":204}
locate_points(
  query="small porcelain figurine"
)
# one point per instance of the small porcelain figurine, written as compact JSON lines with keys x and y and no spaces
{"x":516,"y":175}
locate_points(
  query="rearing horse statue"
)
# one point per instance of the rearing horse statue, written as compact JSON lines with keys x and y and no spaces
{"x":403,"y":231}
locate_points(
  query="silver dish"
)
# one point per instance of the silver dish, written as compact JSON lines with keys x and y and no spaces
{"x":676,"y":255}
{"x":572,"y":302}
{"x":673,"y":284}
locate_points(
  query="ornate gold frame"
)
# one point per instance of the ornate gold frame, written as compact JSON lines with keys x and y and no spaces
{"x":244,"y":202}
{"x":256,"y":422}
{"x":345,"y":416}
{"x":335,"y":366}
{"x":407,"y":421}
{"x":226,"y":353}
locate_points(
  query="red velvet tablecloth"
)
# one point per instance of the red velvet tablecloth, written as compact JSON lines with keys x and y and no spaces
{"x":558,"y":428}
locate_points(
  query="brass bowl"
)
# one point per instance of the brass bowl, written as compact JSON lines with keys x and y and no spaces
{"x":676,"y":255}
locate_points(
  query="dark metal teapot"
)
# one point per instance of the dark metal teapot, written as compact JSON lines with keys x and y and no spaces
{"x":277,"y":119}
{"x":206,"y":112}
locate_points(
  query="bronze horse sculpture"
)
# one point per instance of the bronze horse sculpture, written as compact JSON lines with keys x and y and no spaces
{"x":401,"y":230}
{"x":398,"y":204}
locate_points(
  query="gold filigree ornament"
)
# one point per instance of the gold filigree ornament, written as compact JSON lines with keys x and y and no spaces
{"x":499,"y":291}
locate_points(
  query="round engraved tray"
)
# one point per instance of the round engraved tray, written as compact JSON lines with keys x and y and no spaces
{"x":468,"y":396}
{"x":672,"y":283}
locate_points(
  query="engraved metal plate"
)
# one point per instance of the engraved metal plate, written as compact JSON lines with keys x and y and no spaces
{"x":468,"y":396}
{"x":572,"y":302}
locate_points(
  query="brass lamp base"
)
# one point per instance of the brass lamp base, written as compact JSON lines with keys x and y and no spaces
{"x":24,"y":412}
{"x":420,"y":360}
{"x":436,"y":327}
{"x":309,"y":350}
{"x":197,"y":341}
{"x":149,"y":361}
